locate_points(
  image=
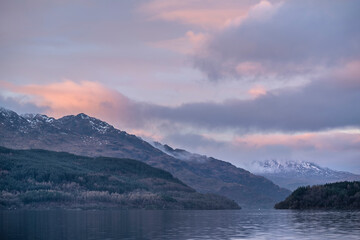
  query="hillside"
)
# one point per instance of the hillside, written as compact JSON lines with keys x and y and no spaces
{"x":39,"y":178}
{"x":224,"y":178}
{"x":84,"y":135}
{"x":292,"y":174}
{"x":340,"y":195}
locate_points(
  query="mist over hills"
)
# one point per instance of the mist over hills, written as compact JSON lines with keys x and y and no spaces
{"x":293,"y":174}
{"x":232,"y":181}
{"x":84,"y":135}
{"x":40,"y":178}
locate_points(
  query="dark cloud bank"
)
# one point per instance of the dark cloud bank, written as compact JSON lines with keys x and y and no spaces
{"x":299,"y":37}
{"x":321,"y":105}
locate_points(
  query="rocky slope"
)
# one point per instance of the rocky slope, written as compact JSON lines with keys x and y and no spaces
{"x":89,"y":136}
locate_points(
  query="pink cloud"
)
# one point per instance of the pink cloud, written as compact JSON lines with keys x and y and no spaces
{"x":205,"y":14}
{"x":69,"y":97}
{"x":330,"y":141}
{"x":249,"y":68}
{"x":349,"y":73}
{"x":184,"y":45}
{"x":92,"y":98}
{"x":272,"y":36}
{"x":257,"y":91}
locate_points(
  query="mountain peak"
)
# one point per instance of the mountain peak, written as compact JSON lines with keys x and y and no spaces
{"x":84,"y":123}
{"x":80,"y":123}
{"x":276,"y":166}
{"x":82,"y":116}
{"x":6,"y":112}
{"x":34,"y":118}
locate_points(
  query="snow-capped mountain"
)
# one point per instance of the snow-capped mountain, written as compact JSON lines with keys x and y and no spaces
{"x":79,"y":134}
{"x":292,"y":174}
{"x":32,"y":122}
{"x":291,"y":167}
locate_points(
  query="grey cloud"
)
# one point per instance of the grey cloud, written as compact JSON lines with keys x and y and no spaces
{"x":321,"y":105}
{"x":192,"y":141}
{"x":243,"y":155}
{"x":299,"y":37}
{"x":81,"y":39}
{"x":20,"y":106}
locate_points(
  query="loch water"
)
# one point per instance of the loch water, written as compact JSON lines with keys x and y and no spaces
{"x":168,"y":224}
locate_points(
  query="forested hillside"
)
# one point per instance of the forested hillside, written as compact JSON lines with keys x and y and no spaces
{"x":39,"y":178}
{"x":340,"y":195}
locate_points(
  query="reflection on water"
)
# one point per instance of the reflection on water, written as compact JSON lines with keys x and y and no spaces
{"x":145,"y":224}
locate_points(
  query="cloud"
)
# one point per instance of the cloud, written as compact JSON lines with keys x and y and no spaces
{"x":257,"y":91}
{"x":294,"y":38}
{"x":335,"y":149}
{"x":184,"y":45}
{"x":235,"y":130}
{"x":330,"y":141}
{"x":102,"y":41}
{"x":210,"y":14}
{"x":326,"y":103}
{"x":323,"y":104}
{"x":69,"y":97}
{"x":20,"y":105}
{"x":193,"y":141}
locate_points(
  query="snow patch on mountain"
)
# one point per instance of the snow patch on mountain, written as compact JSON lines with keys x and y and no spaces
{"x":292,"y":167}
{"x":35,"y":119}
{"x":6,"y":112}
{"x":29,"y":122}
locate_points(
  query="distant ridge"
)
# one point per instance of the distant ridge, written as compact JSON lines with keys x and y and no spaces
{"x":84,"y":135}
{"x":292,"y":174}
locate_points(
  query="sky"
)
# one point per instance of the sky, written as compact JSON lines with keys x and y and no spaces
{"x":241,"y":81}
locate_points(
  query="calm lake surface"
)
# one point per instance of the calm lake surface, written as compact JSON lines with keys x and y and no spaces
{"x":148,"y":224}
